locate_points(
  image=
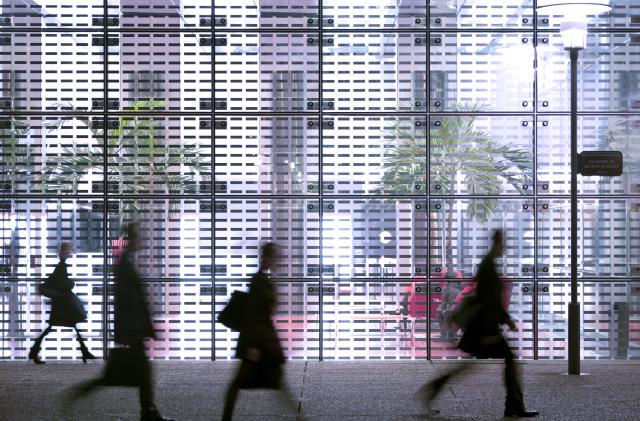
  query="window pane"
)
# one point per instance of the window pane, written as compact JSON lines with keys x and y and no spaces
{"x":481,"y":155}
{"x":364,"y":320}
{"x":275,"y":72}
{"x":374,"y":72}
{"x":176,"y":236}
{"x":595,"y":133}
{"x":461,"y":231}
{"x":380,"y":14}
{"x":373,"y":238}
{"x":52,"y":13}
{"x":159,"y":155}
{"x":374,"y":155}
{"x":160,"y":13}
{"x":267,"y":13}
{"x":158,"y":71}
{"x":52,"y":71}
{"x":607,"y":76}
{"x":263,"y":155}
{"x":481,"y":14}
{"x":489,"y":71}
{"x":242,"y":225}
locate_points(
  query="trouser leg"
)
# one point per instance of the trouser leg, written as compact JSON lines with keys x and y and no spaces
{"x":83,"y":347}
{"x":146,"y":378}
{"x":38,"y":342}
{"x":233,"y":390}
{"x":512,"y":382}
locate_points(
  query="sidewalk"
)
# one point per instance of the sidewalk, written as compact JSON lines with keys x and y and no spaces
{"x":330,"y":391}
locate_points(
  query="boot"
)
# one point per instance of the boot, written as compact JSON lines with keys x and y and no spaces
{"x":33,"y":355}
{"x":86,"y":355}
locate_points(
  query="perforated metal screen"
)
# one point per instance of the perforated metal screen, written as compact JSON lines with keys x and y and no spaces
{"x":379,"y":142}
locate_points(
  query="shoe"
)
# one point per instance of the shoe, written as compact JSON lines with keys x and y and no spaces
{"x":156,"y":417}
{"x":86,"y":355}
{"x":431,"y":390}
{"x":153,"y":415}
{"x":521,"y":414}
{"x":33,"y":356}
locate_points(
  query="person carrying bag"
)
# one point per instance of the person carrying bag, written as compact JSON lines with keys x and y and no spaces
{"x":66,"y":308}
{"x":128,"y":365}
{"x":481,"y":315}
{"x":259,"y":347}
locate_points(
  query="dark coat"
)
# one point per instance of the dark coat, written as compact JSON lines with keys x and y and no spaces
{"x":260,"y":332}
{"x":66,"y":307}
{"x":132,"y":319}
{"x":483,"y":331}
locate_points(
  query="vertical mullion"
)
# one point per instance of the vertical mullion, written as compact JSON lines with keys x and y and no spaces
{"x":534,"y":301}
{"x":105,"y":151}
{"x":428,"y":178}
{"x":212,"y":276}
{"x":320,"y":182}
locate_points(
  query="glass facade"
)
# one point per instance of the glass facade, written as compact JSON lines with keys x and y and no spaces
{"x":378,"y":141}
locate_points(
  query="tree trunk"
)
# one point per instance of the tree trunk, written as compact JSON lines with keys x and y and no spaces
{"x":448,"y":242}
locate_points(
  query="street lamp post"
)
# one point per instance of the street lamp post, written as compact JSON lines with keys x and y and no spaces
{"x":574,"y":36}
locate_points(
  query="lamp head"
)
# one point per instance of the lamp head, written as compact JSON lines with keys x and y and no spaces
{"x":573,"y":27}
{"x":574,"y":34}
{"x":569,"y":8}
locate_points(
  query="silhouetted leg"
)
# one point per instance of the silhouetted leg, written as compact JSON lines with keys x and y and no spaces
{"x":83,"y":389}
{"x":86,"y":355}
{"x":234,"y":388}
{"x":35,"y":349}
{"x":286,"y":393}
{"x":38,"y":342}
{"x":79,"y":391}
{"x":514,"y":400}
{"x":433,"y":388}
{"x":146,"y":379}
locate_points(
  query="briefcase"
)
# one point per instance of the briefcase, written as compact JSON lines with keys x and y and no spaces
{"x":124,"y":367}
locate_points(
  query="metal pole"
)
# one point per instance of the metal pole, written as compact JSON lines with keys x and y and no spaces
{"x":574,"y":306}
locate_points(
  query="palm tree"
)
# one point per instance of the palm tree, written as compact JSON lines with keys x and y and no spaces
{"x":16,"y":155}
{"x":461,"y":158}
{"x":139,"y":159}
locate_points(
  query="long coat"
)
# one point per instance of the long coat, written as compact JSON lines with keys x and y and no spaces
{"x":132,"y":319}
{"x":483,"y":331}
{"x":66,"y":307}
{"x":260,"y":332}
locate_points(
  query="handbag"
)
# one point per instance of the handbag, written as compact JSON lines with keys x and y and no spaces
{"x":233,"y":315}
{"x":124,"y":367}
{"x":44,"y":290}
{"x":76,"y":309}
{"x":466,"y":311}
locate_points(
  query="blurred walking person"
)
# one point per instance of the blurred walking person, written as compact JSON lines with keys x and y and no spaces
{"x":258,"y":346}
{"x":129,"y":366}
{"x":482,"y":336}
{"x":66,"y":308}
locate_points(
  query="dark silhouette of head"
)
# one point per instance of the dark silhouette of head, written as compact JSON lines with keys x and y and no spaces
{"x":66,"y":250}
{"x":497,"y":246}
{"x":132,"y":232}
{"x":269,"y":256}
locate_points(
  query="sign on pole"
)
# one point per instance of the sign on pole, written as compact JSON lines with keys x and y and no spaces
{"x":601,"y":163}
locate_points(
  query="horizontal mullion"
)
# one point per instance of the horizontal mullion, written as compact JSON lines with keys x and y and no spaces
{"x":316,"y":196}
{"x":325,"y":30}
{"x":100,"y":196}
{"x":309,"y":113}
{"x":307,"y":280}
